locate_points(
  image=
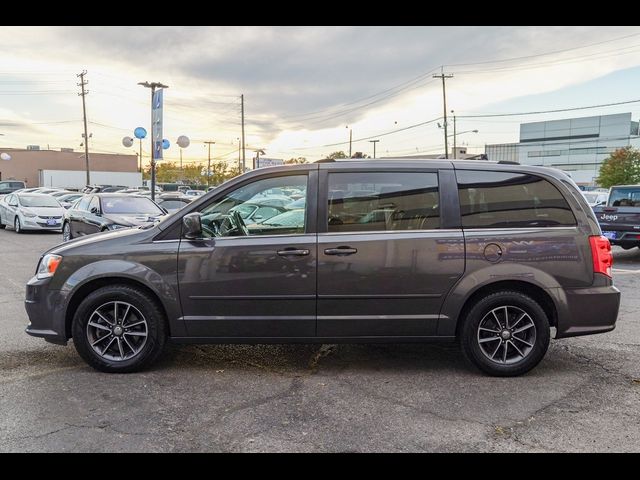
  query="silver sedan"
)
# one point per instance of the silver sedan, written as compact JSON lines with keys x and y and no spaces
{"x":30,"y":211}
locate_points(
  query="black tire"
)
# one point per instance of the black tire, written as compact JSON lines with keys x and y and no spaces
{"x":470,"y":334}
{"x":70,"y":237}
{"x":16,"y":225}
{"x":156,"y":326}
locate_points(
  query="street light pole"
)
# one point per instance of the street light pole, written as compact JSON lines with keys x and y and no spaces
{"x":153,"y":86}
{"x":374,"y":146}
{"x":350,"y":140}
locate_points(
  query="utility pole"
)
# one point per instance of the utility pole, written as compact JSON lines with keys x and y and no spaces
{"x":350,"y":140}
{"x":244,"y":163}
{"x":455,"y":150}
{"x":83,"y":94}
{"x":374,"y":146}
{"x":444,"y":99}
{"x":209,"y":143}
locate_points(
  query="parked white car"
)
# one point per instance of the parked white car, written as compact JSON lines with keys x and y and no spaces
{"x":31,"y":211}
{"x":596,"y":198}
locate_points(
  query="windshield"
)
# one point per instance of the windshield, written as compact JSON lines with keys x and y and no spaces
{"x":625,"y":197}
{"x":130,"y":205}
{"x":38,"y":201}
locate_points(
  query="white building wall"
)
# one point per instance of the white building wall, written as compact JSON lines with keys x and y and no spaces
{"x":77,"y":178}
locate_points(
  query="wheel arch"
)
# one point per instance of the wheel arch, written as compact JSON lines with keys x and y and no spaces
{"x":80,"y":293}
{"x":541,"y":295}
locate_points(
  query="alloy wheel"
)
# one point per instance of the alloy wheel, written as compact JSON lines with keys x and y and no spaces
{"x":117,"y":331}
{"x":506,"y":334}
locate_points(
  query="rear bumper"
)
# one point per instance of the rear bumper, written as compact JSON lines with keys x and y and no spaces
{"x":586,"y":311}
{"x":45,"y":309}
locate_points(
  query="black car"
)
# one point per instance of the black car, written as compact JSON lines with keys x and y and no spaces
{"x":486,"y":254}
{"x":173,"y":203}
{"x":101,"y":212}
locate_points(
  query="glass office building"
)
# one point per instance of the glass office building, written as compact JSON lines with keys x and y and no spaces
{"x":576,"y":145}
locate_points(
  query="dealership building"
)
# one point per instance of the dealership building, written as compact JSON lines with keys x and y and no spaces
{"x":66,"y":167}
{"x":575,"y":145}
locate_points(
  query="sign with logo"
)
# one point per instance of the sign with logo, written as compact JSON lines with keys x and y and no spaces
{"x":156,"y":118}
{"x":269,"y":162}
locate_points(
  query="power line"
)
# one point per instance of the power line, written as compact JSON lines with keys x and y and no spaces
{"x":549,"y":111}
{"x":373,"y":136}
{"x":554,"y":52}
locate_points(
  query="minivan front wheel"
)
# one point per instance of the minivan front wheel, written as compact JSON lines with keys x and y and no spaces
{"x":505,"y":334}
{"x":119,"y":328}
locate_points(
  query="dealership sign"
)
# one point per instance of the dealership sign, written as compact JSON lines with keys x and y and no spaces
{"x":156,"y":118}
{"x":269,"y":162}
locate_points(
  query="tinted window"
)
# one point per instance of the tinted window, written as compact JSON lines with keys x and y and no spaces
{"x":83,"y":204}
{"x":625,"y":197}
{"x":367,"y":201}
{"x":506,"y":200}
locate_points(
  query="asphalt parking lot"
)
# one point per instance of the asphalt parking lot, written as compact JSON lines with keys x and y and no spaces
{"x":584,"y":396}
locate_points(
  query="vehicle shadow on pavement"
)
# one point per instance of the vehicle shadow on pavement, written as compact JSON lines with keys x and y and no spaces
{"x":304,"y":359}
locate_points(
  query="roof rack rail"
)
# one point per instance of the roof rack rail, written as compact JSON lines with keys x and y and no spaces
{"x":508,"y":162}
{"x":325,"y":160}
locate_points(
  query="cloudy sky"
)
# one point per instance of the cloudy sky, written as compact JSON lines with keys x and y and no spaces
{"x":304,"y":85}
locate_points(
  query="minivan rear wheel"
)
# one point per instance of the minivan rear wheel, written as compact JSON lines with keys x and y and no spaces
{"x":505,"y":334}
{"x":119,"y":328}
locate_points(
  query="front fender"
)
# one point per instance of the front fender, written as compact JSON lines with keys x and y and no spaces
{"x":136,"y":272}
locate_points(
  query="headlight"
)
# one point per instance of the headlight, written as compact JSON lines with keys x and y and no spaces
{"x":28,"y":215}
{"x":48,"y":266}
{"x":115,"y":226}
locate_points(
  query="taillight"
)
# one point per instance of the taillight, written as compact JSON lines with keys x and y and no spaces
{"x":601,"y":254}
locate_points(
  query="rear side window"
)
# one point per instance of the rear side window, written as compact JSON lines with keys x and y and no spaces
{"x":376,"y":201}
{"x":510,"y":200}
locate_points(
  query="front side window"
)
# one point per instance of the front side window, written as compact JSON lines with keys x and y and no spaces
{"x":83,"y":203}
{"x":94,"y":204}
{"x":255,"y":208}
{"x":510,"y":200}
{"x":377,"y":201}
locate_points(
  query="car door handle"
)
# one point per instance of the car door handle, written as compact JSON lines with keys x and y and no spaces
{"x":340,"y":251}
{"x":293,"y":252}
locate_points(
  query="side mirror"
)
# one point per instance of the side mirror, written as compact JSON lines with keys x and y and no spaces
{"x":95,"y":211}
{"x":192,"y":226}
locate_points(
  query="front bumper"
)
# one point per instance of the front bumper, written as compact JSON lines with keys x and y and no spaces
{"x":586,"y":311}
{"x":46,"y":311}
{"x":37,"y":223}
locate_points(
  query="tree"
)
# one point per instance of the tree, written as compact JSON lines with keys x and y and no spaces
{"x":622,"y":167}
{"x":295,"y":160}
{"x":339,"y":154}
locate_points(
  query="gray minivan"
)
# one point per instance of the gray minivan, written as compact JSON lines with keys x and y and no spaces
{"x":491,"y":255}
